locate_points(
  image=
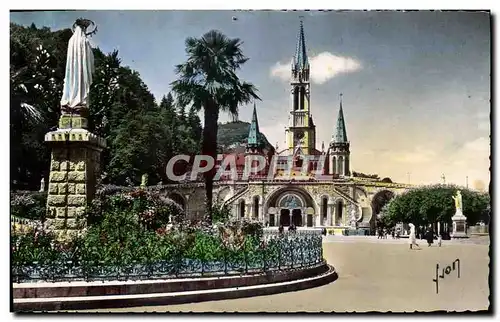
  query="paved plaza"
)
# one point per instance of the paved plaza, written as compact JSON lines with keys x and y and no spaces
{"x":376,"y":275}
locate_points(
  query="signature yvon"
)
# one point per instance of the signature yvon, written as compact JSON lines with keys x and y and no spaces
{"x":455,"y":266}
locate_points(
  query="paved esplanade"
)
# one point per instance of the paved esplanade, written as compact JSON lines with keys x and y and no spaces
{"x":376,"y":276}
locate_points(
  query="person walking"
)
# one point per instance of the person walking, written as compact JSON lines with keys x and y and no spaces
{"x":439,"y":240}
{"x":413,"y":237}
{"x":429,"y":236}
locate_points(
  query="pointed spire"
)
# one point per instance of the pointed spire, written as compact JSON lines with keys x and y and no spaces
{"x":340,"y":133}
{"x":253,"y":133}
{"x":300,"y":60}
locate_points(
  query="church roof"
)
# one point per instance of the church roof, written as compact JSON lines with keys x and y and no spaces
{"x":253,"y":139}
{"x":300,"y":60}
{"x":340,"y":135}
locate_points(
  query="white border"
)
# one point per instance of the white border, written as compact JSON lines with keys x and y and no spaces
{"x":196,"y":4}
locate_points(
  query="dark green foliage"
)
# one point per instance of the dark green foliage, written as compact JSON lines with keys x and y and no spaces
{"x":235,"y":134}
{"x":221,"y":213}
{"x":152,"y":210}
{"x":28,"y":204}
{"x":254,"y":229}
{"x":108,"y":252}
{"x":141,"y":135}
{"x":363,"y":175}
{"x":434,"y":204}
{"x":37,"y":64}
{"x":35,"y":247}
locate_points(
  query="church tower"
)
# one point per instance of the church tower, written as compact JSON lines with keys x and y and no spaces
{"x":301,"y":131}
{"x":339,"y":153}
{"x":254,"y":144}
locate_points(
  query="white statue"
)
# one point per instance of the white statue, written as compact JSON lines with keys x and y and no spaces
{"x":42,"y":185}
{"x":458,"y":200}
{"x":79,"y":68}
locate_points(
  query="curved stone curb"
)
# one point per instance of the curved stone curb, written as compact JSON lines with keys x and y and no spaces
{"x":152,"y":299}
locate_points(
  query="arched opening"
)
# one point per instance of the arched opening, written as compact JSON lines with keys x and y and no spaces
{"x":309,"y":220}
{"x":178,"y":199}
{"x":295,"y":98}
{"x":334,"y":165}
{"x":297,"y":217}
{"x":340,"y":169}
{"x":283,"y":201}
{"x":340,"y":212}
{"x":298,"y":162}
{"x":324,"y":210}
{"x":255,"y":207}
{"x":242,"y":209}
{"x":380,"y":199}
{"x":285,"y":217}
{"x":302,"y":95}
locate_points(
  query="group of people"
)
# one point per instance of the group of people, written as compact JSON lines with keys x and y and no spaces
{"x":291,"y":228}
{"x":428,"y":235}
{"x":383,"y":232}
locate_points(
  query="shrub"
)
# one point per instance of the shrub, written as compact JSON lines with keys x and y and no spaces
{"x":152,"y":209}
{"x":220,"y":213}
{"x":28,"y":204}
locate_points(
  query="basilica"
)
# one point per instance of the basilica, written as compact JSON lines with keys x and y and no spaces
{"x":295,"y":193}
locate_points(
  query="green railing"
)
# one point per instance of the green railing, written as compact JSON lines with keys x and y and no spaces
{"x":275,"y":253}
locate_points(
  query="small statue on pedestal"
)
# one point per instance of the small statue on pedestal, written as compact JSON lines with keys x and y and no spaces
{"x":144,"y":180}
{"x":42,"y":185}
{"x":458,"y":200}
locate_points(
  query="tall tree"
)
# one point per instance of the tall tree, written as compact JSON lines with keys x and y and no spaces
{"x":431,"y":204}
{"x":37,"y":64}
{"x":208,"y":81}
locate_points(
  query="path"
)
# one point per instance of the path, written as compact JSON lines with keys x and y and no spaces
{"x":375,"y":276}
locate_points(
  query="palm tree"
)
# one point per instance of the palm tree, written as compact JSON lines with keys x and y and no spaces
{"x":208,"y":81}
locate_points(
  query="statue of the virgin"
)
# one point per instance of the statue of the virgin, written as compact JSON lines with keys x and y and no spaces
{"x":79,"y":69}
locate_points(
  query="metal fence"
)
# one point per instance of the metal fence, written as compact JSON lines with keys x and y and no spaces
{"x":276,"y":253}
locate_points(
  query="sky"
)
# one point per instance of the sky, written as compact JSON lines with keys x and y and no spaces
{"x":415,"y":85}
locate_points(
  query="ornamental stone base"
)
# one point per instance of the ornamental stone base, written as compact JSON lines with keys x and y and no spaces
{"x":74,"y":167}
{"x":459,"y":225}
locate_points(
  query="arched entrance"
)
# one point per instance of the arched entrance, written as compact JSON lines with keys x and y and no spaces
{"x":285,"y":217}
{"x":297,"y":217}
{"x":290,"y":205}
{"x":380,"y":199}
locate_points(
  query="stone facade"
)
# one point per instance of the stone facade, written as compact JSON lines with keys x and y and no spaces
{"x":324,"y":204}
{"x":74,"y":167}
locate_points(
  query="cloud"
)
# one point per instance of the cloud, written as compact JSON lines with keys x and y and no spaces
{"x":481,"y":145}
{"x":324,"y":66}
{"x":416,"y":156}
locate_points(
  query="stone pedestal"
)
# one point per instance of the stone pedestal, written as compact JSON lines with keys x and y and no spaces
{"x":74,"y":167}
{"x":459,"y":225}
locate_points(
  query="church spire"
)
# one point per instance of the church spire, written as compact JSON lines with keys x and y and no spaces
{"x":300,"y":60}
{"x":340,"y":133}
{"x":253,"y":140}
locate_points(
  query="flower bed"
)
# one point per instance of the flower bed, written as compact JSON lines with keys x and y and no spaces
{"x":141,"y":235}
